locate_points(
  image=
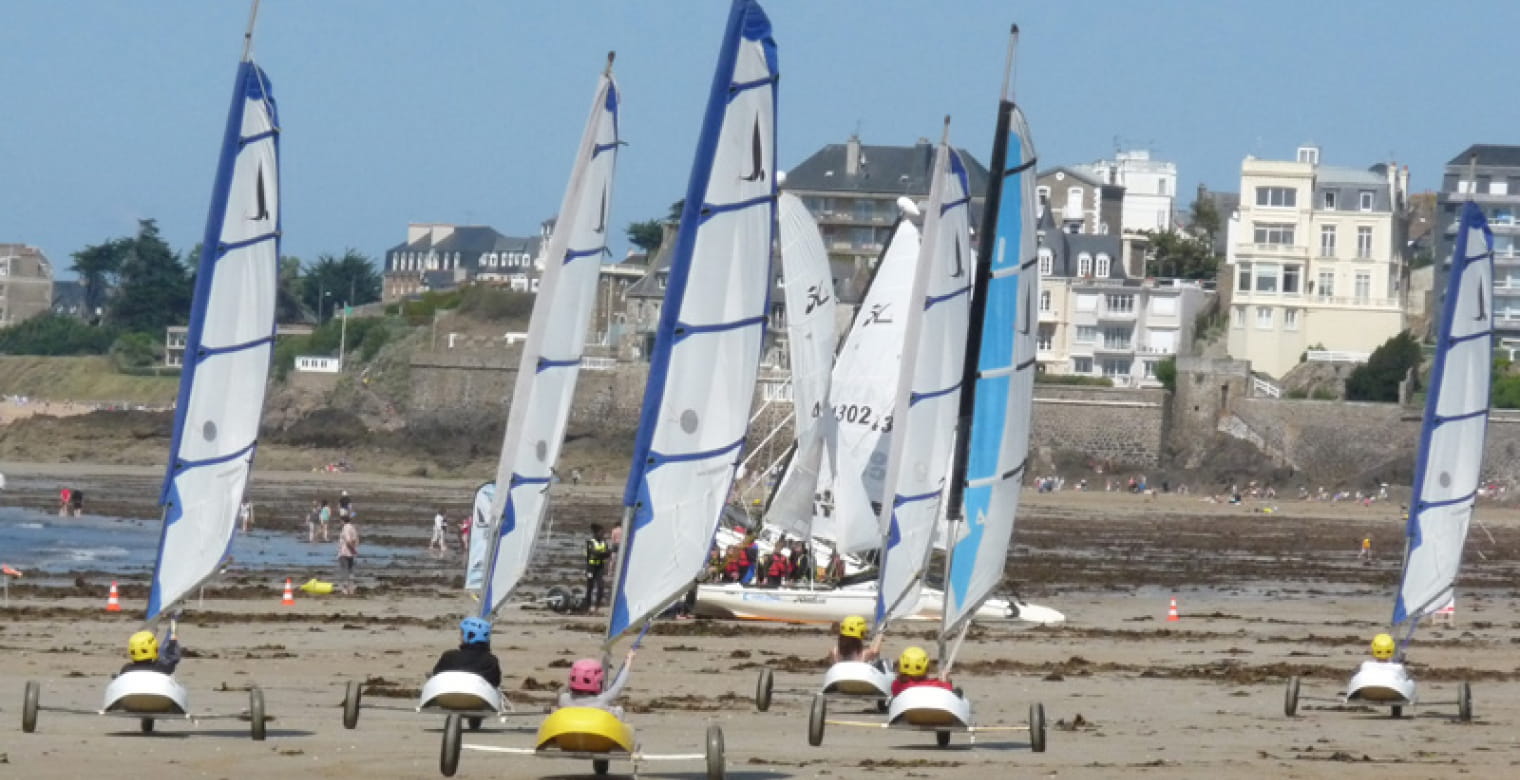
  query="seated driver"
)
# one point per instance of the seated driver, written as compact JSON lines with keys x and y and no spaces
{"x":474,"y":653}
{"x":851,"y":645}
{"x":143,"y":649}
{"x":1384,"y":648}
{"x":913,"y":671}
{"x":587,"y":685}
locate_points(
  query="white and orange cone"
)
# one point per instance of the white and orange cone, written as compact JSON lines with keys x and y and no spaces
{"x":113,"y":601}
{"x":289,"y":600}
{"x":1171,"y":612}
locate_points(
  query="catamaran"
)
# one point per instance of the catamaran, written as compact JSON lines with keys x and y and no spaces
{"x":1448,"y":467}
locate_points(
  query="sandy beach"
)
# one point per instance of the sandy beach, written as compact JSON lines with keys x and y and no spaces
{"x":1262,"y":596}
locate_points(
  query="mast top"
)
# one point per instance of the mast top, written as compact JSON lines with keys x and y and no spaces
{"x":611,"y":55}
{"x":1008,"y":66}
{"x":253,"y":15}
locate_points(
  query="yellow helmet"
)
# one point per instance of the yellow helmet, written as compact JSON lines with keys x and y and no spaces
{"x":143,"y":646}
{"x":913,"y":662}
{"x":853,"y":626}
{"x":1383,"y":647}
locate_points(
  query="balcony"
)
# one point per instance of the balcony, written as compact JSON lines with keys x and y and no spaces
{"x":1116,"y":315}
{"x":1365,"y":303}
{"x":1290,"y":251}
{"x":1126,"y":347}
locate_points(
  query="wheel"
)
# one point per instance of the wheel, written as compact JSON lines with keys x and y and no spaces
{"x":1398,"y":712}
{"x":1464,"y":701}
{"x":763,"y":688}
{"x":256,"y":714}
{"x":714,"y":752}
{"x":1290,"y":697}
{"x":146,"y":725}
{"x":600,"y":765}
{"x":474,"y":723}
{"x":1037,"y":727}
{"x":816,"y":715}
{"x":959,"y":694}
{"x":577,"y":598}
{"x":448,"y":758}
{"x":352,"y":696}
{"x":559,"y":599}
{"x":29,"y":706}
{"x":882,"y":705}
{"x":942,"y":738}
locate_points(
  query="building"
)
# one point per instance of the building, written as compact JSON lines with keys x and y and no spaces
{"x":1078,"y":202}
{"x":1097,"y":320}
{"x":437,"y":256}
{"x":1488,"y":175}
{"x":851,"y":189}
{"x":26,"y":283}
{"x":1316,"y":260}
{"x":68,"y":299}
{"x":175,"y":337}
{"x":1150,"y":189}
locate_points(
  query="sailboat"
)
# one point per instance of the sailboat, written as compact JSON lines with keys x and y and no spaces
{"x":1448,"y":467}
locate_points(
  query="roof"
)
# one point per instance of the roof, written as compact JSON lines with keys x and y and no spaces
{"x":901,"y":170}
{"x":1079,"y":175}
{"x":1338,"y":174}
{"x":1066,"y":247}
{"x":1489,"y":154}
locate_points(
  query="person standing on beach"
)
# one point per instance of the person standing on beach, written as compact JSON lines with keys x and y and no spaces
{"x":63,"y":502}
{"x":245,"y":514}
{"x":464,"y":535}
{"x":312,"y":518}
{"x":324,"y":516}
{"x":440,"y":525}
{"x":348,"y":551}
{"x":76,"y":500}
{"x":597,"y":553}
{"x":345,"y":506}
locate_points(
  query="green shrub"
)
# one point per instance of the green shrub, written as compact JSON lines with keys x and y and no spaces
{"x":1166,"y":373}
{"x":1073,"y":379}
{"x":55,"y":334}
{"x":136,"y":351}
{"x":1324,"y":394}
{"x":1297,"y":394}
{"x":1378,"y":379}
{"x":495,"y":303}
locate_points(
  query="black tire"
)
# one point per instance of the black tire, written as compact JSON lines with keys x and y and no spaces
{"x":560,"y":599}
{"x":883,"y":705}
{"x":942,"y":738}
{"x":1398,"y":711}
{"x":474,"y":723}
{"x":959,"y":694}
{"x":600,"y":766}
{"x":145,"y":725}
{"x":816,"y":715}
{"x":353,"y":695}
{"x":763,"y":688}
{"x":1037,"y":727}
{"x":29,"y":700}
{"x":448,"y":757}
{"x":1290,"y":697}
{"x":715,"y":761}
{"x":256,"y":714}
{"x":1464,"y":702}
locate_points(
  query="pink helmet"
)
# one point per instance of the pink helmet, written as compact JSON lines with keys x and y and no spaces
{"x":586,"y":676}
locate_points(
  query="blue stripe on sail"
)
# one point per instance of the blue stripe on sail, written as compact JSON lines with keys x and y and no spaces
{"x":1455,"y":340}
{"x":894,"y":537}
{"x":954,"y":204}
{"x":545,"y":363}
{"x":901,"y":500}
{"x":1424,"y":505}
{"x":657,"y":459}
{"x":1460,"y":417}
{"x":710,"y":210}
{"x":599,"y":148}
{"x":574,"y":255}
{"x":223,"y":249}
{"x":1010,"y":223}
{"x":186,"y":465}
{"x":935,"y":300}
{"x":518,"y":480}
{"x":734,"y":90}
{"x":914,"y":398}
{"x":683,"y":330}
{"x":209,"y":352}
{"x":256,"y":137}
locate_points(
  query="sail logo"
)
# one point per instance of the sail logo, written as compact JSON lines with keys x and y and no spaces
{"x":878,"y":315}
{"x":816,"y":297}
{"x":259,"y":199}
{"x":757,"y":155}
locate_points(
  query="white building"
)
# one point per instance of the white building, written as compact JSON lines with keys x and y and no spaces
{"x":1316,"y":259}
{"x":1150,"y":188}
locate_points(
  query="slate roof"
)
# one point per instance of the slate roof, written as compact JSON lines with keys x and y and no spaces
{"x":1489,"y":154}
{"x":470,"y":241}
{"x":894,"y":169}
{"x":1066,"y":247}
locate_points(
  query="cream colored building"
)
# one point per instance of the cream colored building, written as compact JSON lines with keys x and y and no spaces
{"x":26,"y":283}
{"x":1316,"y":260}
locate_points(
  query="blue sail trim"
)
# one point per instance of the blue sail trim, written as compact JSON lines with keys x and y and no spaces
{"x":256,"y":137}
{"x":1440,"y":420}
{"x":186,"y":465}
{"x":508,"y":525}
{"x":1424,"y":505}
{"x":734,"y":90}
{"x":599,"y":148}
{"x":954,"y":204}
{"x":898,"y":501}
{"x":223,"y":249}
{"x":935,"y":300}
{"x":578,"y":254}
{"x":210,"y":352}
{"x":657,"y":459}
{"x":710,"y":210}
{"x":915,"y":397}
{"x":683,"y":330}
{"x":518,"y":480}
{"x":1482,"y":334}
{"x":545,"y":364}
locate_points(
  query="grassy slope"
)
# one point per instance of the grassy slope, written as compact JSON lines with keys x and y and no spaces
{"x":80,"y":379}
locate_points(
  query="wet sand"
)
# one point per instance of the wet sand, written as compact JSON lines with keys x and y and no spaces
{"x":1261,"y":596}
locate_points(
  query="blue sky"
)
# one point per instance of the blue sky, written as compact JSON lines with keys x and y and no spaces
{"x":468,"y":110}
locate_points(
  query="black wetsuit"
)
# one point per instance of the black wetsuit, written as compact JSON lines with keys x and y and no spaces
{"x":476,"y":658}
{"x":168,"y":658}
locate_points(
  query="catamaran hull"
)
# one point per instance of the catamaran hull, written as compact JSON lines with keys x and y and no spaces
{"x":1381,"y":683}
{"x":147,"y":693}
{"x":459,"y":692}
{"x":830,"y":606}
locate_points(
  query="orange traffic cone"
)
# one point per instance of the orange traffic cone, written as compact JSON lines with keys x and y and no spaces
{"x":290,"y":599}
{"x":113,"y":601}
{"x":1171,"y":612}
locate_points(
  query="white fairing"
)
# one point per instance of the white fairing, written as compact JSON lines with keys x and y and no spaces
{"x":462,"y":691}
{"x":227,"y":353}
{"x":864,"y":379}
{"x":550,"y":365}
{"x":926,"y":706}
{"x":798,"y":605}
{"x":696,"y":408}
{"x":1450,"y":463}
{"x":929,"y":388}
{"x":1004,"y":390}
{"x":146,"y":692}
{"x":857,"y":678}
{"x":810,"y":314}
{"x":1381,"y":682}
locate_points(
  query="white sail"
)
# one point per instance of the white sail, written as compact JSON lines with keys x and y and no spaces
{"x":1002,"y":396}
{"x":482,"y":534}
{"x":707,"y":347}
{"x":810,"y":315}
{"x":928,"y":388}
{"x":551,"y":357}
{"x":227,"y":349}
{"x":1450,"y":460}
{"x":862,"y":392}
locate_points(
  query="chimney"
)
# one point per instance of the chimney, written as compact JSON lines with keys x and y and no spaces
{"x":852,"y":155}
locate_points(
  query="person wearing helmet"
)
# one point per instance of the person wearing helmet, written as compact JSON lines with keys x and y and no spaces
{"x":1384,"y":648}
{"x":587,"y":686}
{"x":852,"y":642}
{"x":146,"y":656}
{"x":474,"y":653}
{"x":913,"y":671}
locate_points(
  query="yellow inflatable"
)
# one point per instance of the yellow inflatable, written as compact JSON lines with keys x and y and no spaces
{"x":585,"y":730}
{"x":317,"y":588}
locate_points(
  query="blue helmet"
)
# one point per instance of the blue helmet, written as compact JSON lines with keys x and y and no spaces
{"x":474,"y":630}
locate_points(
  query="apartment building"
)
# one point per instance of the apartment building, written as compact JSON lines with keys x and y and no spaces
{"x":26,"y":283}
{"x":438,"y":256}
{"x":1488,"y":175}
{"x":1150,"y":188}
{"x":1316,"y":258}
{"x":1079,"y":202}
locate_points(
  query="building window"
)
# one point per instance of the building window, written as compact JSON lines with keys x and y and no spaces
{"x":1087,"y":302}
{"x":1266,"y":278}
{"x":1081,"y":365}
{"x":1150,"y":368}
{"x":1327,"y":200}
{"x":1116,"y":367}
{"x":1161,"y":187}
{"x":1121,"y":304}
{"x":1243,"y":277}
{"x":1464,"y":187}
{"x":1116,"y":338}
{"x":1046,"y":337}
{"x":1047,"y":262}
{"x":1103,"y":263}
{"x":1084,"y":264}
{"x":1074,"y":200}
{"x":1364,"y":200}
{"x":1364,"y":242}
{"x":1087,"y":334}
{"x":1286,"y":197}
{"x":1290,"y":279}
{"x":1274,"y":235}
{"x":1290,"y":319}
{"x":1498,"y":188}
{"x":1326,"y":284}
{"x":1363,"y":287}
{"x":1042,"y":197}
{"x":1264,"y":317}
{"x":1044,"y":300}
{"x":1308,"y":154}
{"x":1327,"y":241}
{"x":1239,"y":320}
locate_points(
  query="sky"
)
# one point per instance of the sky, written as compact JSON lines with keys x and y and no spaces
{"x":468,"y":111}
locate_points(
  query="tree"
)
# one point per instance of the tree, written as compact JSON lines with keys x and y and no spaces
{"x":288,"y":306}
{"x":97,"y":267}
{"x":1378,"y":379}
{"x":1166,"y":372}
{"x":646,"y":235}
{"x":1177,"y":254}
{"x":155,"y":288}
{"x":334,"y":281}
{"x":1205,"y":219}
{"x":675,"y":211}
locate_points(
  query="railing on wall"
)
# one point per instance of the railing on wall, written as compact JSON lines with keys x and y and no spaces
{"x":1335,"y":356}
{"x":1264,"y":387}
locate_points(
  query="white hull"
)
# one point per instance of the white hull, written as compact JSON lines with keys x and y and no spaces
{"x":1382,"y":683}
{"x":926,"y":706}
{"x":459,"y":692}
{"x":792,"y":605}
{"x":857,"y":678}
{"x":148,"y":693}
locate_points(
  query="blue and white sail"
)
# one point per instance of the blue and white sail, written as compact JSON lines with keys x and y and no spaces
{"x":1449,"y":464}
{"x":928,"y":389}
{"x":551,"y":357}
{"x":810,"y":333}
{"x":1000,"y":367}
{"x":707,"y":346}
{"x":227,"y":349}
